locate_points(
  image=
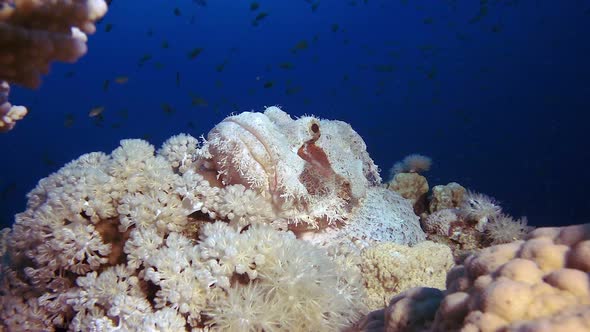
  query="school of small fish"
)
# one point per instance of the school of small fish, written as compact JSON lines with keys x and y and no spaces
{"x":269,"y":80}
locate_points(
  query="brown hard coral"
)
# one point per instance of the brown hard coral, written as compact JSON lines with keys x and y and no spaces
{"x":540,"y":284}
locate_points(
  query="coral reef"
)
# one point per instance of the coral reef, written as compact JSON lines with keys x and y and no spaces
{"x":390,"y":268}
{"x":411,"y":186}
{"x":479,"y":208}
{"x":446,"y":197}
{"x":204,"y":233}
{"x":540,"y":284}
{"x":34,"y":33}
{"x":468,"y":221}
{"x":9,"y":113}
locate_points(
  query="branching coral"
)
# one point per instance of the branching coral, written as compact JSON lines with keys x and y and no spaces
{"x":34,"y":33}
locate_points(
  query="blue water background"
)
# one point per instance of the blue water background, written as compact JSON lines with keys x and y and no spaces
{"x":496,"y":92}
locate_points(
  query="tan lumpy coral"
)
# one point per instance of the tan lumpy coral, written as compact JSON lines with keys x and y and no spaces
{"x":411,"y":186}
{"x":446,"y":197}
{"x":390,"y":268}
{"x":539,"y":284}
{"x":9,"y":113}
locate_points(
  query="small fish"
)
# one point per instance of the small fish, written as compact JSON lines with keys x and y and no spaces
{"x":108,"y":27}
{"x":483,"y":12}
{"x":150,"y":32}
{"x":191,"y":125}
{"x":219,"y":84}
{"x":96,"y":111}
{"x":70,"y":74}
{"x":268,"y":84}
{"x":314,"y":6}
{"x":428,"y":20}
{"x":177,"y":12}
{"x":286,"y":65}
{"x":291,"y":90}
{"x":431,"y":73}
{"x":165,"y":44}
{"x":254,"y":6}
{"x":145,"y":58}
{"x":47,"y":160}
{"x":198,"y":101}
{"x":105,"y":85}
{"x":159,"y":66}
{"x":335,"y":27}
{"x":121,"y":79}
{"x":496,"y":28}
{"x":69,"y":120}
{"x":195,"y":52}
{"x":98,"y":121}
{"x":384,"y":68}
{"x":220,"y":67}
{"x":261,"y":16}
{"x":301,"y":45}
{"x":315,"y":38}
{"x":178,"y":79}
{"x":168,"y":109}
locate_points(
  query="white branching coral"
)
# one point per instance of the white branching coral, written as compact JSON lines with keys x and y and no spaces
{"x":296,"y":287}
{"x":181,"y":151}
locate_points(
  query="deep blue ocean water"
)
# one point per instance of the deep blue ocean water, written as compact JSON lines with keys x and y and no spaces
{"x":496,"y":92}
